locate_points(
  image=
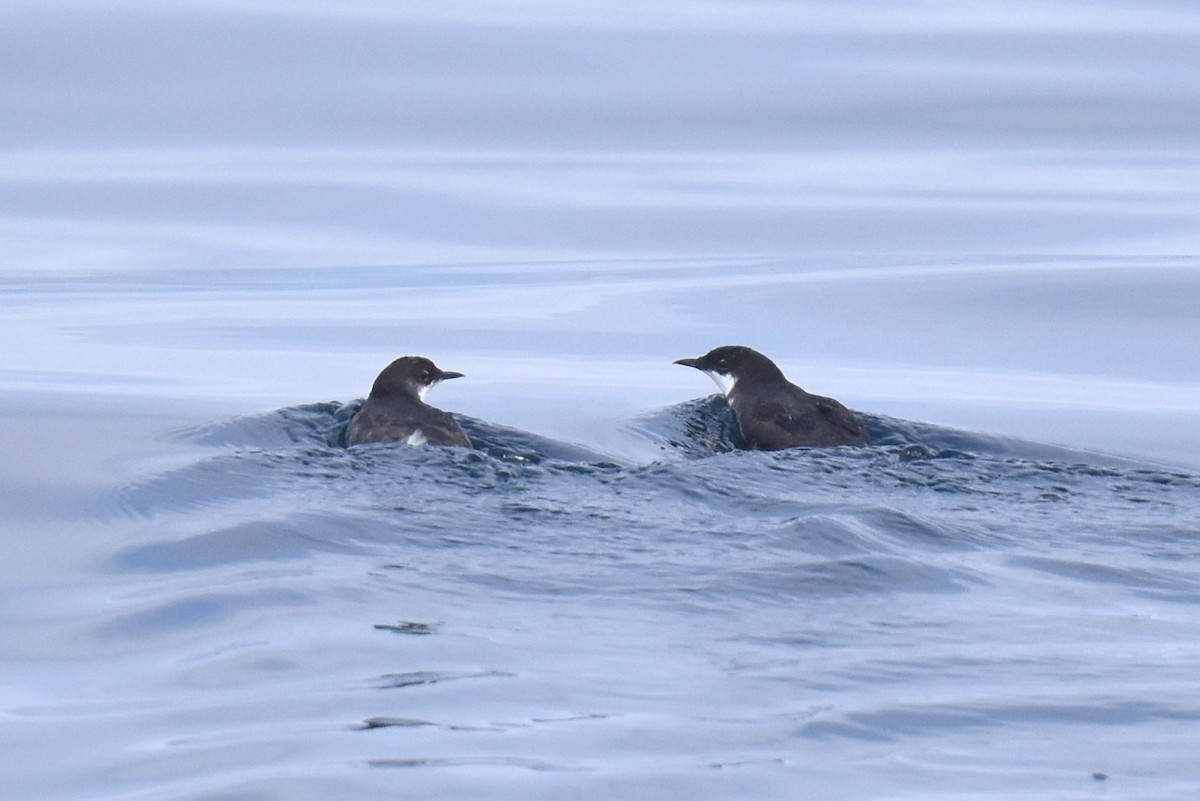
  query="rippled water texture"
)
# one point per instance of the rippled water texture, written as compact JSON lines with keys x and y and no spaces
{"x":976,"y":225}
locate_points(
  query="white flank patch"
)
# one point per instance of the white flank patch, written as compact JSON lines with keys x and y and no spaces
{"x":416,"y":438}
{"x":724,"y":382}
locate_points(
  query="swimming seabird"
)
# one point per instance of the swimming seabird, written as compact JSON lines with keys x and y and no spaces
{"x":773,"y":413}
{"x":396,"y":410}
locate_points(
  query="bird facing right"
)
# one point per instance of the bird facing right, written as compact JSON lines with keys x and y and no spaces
{"x":772,"y":413}
{"x":396,"y":410}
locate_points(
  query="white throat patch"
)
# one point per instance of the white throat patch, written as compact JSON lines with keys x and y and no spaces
{"x":422,"y":391}
{"x":724,"y":382}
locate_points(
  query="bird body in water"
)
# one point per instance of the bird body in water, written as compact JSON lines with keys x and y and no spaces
{"x":396,"y":410}
{"x":772,"y":413}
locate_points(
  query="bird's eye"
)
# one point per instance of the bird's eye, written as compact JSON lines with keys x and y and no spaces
{"x":426,"y":377}
{"x":723,"y":364}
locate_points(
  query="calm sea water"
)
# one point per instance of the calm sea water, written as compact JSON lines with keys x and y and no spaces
{"x":975,"y":225}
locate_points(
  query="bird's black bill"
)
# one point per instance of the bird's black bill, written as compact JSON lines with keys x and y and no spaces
{"x":689,"y":363}
{"x":446,"y":374}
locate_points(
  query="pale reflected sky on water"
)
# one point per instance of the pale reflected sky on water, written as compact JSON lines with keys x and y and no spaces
{"x":928,"y":210}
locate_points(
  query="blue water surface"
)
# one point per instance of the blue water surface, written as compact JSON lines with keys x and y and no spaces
{"x":974,"y":225}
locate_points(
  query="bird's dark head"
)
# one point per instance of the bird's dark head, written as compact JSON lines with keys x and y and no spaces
{"x":409,"y":375}
{"x":729,"y":364}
